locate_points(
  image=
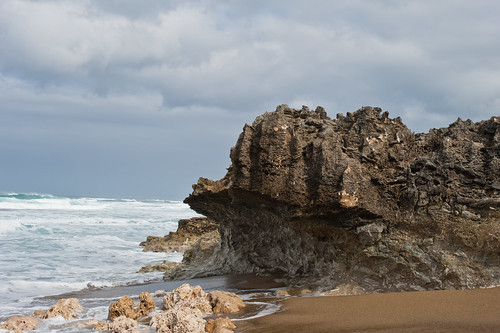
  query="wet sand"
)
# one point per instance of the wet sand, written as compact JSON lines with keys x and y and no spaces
{"x":433,"y":311}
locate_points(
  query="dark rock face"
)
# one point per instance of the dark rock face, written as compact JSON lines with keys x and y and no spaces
{"x":359,"y":199}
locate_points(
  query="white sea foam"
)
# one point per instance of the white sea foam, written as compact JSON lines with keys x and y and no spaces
{"x":9,"y":225}
{"x":51,"y":245}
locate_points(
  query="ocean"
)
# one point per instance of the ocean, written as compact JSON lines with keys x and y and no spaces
{"x":52,"y":244}
{"x":54,"y":247}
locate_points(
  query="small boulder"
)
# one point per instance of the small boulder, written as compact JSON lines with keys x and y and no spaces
{"x":166,"y":266}
{"x":147,"y":304}
{"x":225,"y":302}
{"x":126,"y":307}
{"x":179,"y":320}
{"x":120,"y":324}
{"x":66,"y":308}
{"x":220,"y":325}
{"x":20,"y":323}
{"x":187,"y":296}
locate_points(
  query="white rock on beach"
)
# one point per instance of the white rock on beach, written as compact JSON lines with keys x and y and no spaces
{"x":187,"y":296}
{"x":66,"y":308}
{"x":179,"y":320}
{"x":225,"y":302}
{"x":220,"y":325}
{"x":20,"y":323}
{"x":126,"y":307}
{"x":120,"y":324}
{"x":194,"y":297}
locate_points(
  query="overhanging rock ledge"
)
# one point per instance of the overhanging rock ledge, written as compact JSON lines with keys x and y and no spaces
{"x":358,"y":199}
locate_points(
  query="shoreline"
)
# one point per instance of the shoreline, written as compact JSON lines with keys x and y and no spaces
{"x":476,"y":310}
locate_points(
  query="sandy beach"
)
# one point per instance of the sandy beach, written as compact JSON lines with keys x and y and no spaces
{"x":433,"y":311}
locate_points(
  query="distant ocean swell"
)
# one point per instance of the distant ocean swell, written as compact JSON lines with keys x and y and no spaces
{"x":52,"y":244}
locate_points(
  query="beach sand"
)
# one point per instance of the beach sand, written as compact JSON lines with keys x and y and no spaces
{"x":432,"y":311}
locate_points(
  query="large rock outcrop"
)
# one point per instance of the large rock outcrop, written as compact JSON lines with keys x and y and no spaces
{"x":359,"y":199}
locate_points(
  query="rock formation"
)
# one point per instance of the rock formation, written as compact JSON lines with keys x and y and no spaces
{"x":220,"y":325}
{"x":197,"y":237}
{"x":127,"y":308}
{"x":119,"y":324}
{"x":225,"y":302}
{"x":20,"y":323}
{"x":189,"y":232}
{"x":359,"y":199}
{"x":194,"y":297}
{"x":66,"y":308}
{"x":179,"y":320}
{"x":184,"y":308}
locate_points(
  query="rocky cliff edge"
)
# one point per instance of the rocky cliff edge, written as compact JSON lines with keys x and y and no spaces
{"x":359,"y":199}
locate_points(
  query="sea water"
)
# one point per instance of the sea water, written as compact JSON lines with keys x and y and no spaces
{"x":52,"y":244}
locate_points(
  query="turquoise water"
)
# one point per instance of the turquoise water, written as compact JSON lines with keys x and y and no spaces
{"x":51,"y":244}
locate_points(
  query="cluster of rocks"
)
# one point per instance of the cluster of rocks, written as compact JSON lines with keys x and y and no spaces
{"x":66,"y":308}
{"x":185,"y":306}
{"x":184,"y":311}
{"x":196,"y":238}
{"x":358,"y":200}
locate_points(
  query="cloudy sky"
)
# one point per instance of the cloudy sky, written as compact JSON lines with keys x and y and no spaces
{"x":131,"y":98}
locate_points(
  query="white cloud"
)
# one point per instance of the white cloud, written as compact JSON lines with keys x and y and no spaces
{"x":224,"y":62}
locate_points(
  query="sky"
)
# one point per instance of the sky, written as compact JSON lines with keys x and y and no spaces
{"x":137,"y":99}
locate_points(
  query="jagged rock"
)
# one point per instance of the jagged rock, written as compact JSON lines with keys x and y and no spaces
{"x":189,"y":232}
{"x":187,"y":296}
{"x":194,"y":297}
{"x":65,"y":308}
{"x":225,"y":302}
{"x":179,"y":320}
{"x":220,"y":325}
{"x":147,"y":304}
{"x":126,"y":307}
{"x":197,"y":237}
{"x":119,"y":324}
{"x":166,"y":266}
{"x":358,"y":199}
{"x":20,"y":323}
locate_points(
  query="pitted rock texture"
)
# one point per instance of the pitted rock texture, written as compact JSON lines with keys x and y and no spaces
{"x":19,"y":323}
{"x":359,"y":199}
{"x":127,"y":308}
{"x":66,"y":308}
{"x":189,"y":232}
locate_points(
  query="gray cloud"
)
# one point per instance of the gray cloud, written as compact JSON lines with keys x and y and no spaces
{"x":192,"y":72}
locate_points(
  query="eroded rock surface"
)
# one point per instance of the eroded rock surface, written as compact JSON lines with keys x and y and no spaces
{"x":185,"y":306}
{"x":189,"y":232}
{"x":196,"y":237}
{"x":359,"y":199}
{"x":187,"y":296}
{"x":179,"y":320}
{"x":119,"y":324}
{"x":20,"y":323}
{"x":220,"y":325}
{"x":194,"y":297}
{"x":127,"y":308}
{"x":65,"y":308}
{"x":225,"y":302}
